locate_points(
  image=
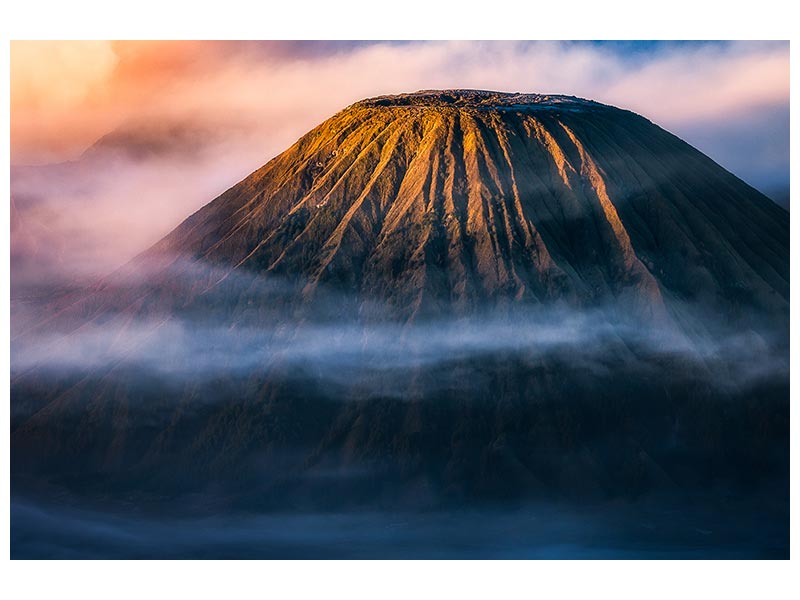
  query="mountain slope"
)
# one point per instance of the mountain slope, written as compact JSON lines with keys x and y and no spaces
{"x":434,"y":201}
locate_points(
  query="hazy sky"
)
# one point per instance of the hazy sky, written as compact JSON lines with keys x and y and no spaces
{"x":192,"y":118}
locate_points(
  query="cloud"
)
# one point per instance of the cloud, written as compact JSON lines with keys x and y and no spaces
{"x":217,"y":336}
{"x":380,"y":359}
{"x":54,"y":76}
{"x":286,"y":88}
{"x":51,"y":80}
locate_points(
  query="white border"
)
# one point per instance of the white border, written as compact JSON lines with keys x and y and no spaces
{"x":409,"y":19}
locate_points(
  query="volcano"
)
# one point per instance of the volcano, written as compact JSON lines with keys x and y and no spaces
{"x":441,"y":297}
{"x":440,"y":202}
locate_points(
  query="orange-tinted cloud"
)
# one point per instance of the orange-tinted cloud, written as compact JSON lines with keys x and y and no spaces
{"x":67,"y":94}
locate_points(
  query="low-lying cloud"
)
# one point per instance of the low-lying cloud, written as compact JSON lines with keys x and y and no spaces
{"x":216,"y":335}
